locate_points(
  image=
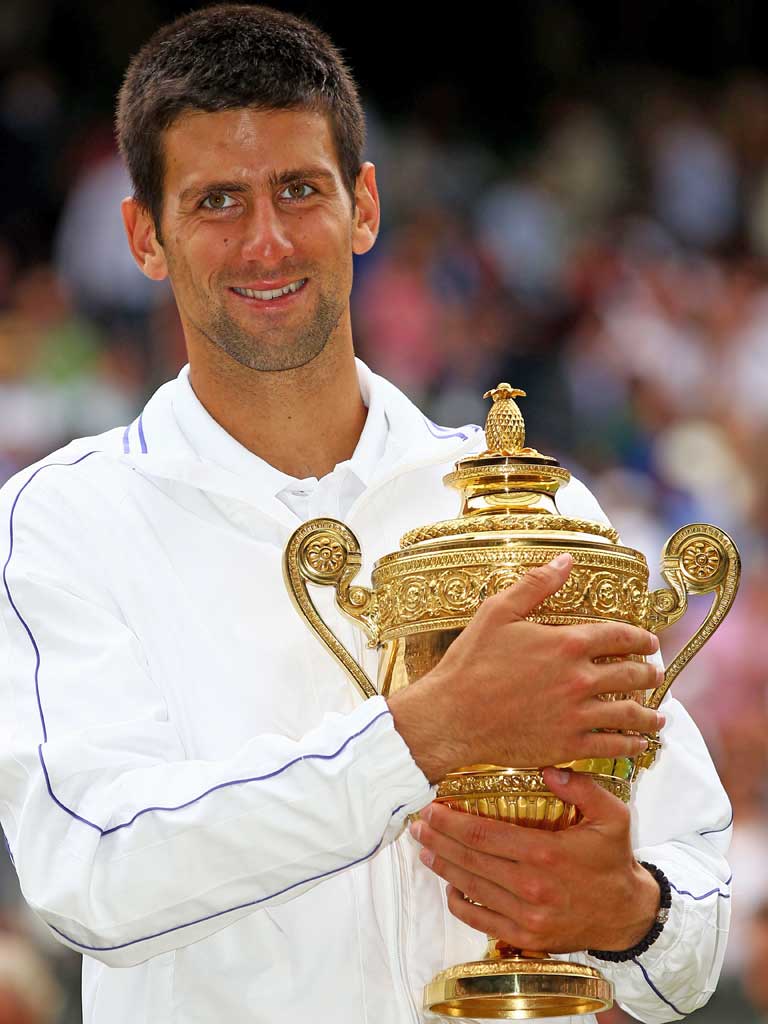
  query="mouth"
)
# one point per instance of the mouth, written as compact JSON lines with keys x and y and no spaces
{"x":271,"y":298}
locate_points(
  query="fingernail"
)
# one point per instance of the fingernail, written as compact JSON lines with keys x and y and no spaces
{"x":654,"y":642}
{"x":561,"y":561}
{"x":659,"y":676}
{"x":416,"y":828}
{"x":426,"y":857}
{"x":660,"y":721}
{"x":562,"y":777}
{"x":426,"y":813}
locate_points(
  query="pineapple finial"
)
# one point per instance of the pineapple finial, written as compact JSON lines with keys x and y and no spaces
{"x":504,"y":427}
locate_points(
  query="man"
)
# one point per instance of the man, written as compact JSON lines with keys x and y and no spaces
{"x":194,"y":795}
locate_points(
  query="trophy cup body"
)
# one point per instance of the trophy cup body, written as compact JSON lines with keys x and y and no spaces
{"x":423,"y":595}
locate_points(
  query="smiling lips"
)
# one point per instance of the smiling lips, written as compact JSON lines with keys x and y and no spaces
{"x":274,"y":293}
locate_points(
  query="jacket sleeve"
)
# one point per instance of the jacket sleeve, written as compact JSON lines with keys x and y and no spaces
{"x":123,"y":846}
{"x":682,"y":822}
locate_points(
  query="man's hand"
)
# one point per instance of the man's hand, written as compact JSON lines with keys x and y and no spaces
{"x":518,"y":693}
{"x":553,"y":891}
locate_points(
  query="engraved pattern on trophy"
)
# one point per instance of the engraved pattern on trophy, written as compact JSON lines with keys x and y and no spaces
{"x":482,"y":969}
{"x":425,"y":593}
{"x":451,"y":527}
{"x":519,"y":782}
{"x":449,"y":588}
{"x":518,"y":475}
{"x":702,"y":561}
{"x":324,"y":555}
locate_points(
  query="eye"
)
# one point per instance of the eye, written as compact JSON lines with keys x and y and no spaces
{"x":218,"y":201}
{"x":296,"y":190}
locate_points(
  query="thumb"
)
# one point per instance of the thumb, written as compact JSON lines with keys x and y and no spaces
{"x":597,"y":805}
{"x":538,"y":584}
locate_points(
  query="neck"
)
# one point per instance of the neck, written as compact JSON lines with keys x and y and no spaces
{"x":303,"y":421}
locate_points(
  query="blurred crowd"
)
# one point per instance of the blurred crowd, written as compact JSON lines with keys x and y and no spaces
{"x":613,"y":263}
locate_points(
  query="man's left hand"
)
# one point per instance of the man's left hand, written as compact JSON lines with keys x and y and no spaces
{"x":576,"y":889}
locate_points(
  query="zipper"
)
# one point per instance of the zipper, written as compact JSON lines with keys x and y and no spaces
{"x":402,"y":911}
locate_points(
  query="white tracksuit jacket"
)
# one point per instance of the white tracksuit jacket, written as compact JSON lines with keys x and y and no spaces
{"x":194,"y":794}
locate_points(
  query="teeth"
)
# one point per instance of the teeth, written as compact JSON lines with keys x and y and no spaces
{"x":274,"y":294}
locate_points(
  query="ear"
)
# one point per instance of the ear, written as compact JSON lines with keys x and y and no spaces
{"x":142,"y":239}
{"x":366,"y":217}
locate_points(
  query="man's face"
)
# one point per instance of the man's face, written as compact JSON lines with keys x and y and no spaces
{"x":253,"y":204}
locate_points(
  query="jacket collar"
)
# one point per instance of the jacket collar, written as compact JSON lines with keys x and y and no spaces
{"x":173,"y":440}
{"x":211,"y":442}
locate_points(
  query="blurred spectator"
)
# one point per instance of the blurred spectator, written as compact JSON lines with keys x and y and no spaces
{"x":55,"y":379}
{"x":29,"y":994}
{"x":695,"y":183}
{"x":584,"y":165}
{"x":398,"y":312}
{"x":92,"y":256}
{"x":522,"y":224}
{"x":756,"y":970}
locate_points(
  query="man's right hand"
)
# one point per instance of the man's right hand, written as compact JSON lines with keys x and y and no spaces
{"x":520,"y":694}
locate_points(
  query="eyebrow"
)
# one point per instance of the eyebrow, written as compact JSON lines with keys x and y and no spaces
{"x":284,"y":177}
{"x":274,"y":179}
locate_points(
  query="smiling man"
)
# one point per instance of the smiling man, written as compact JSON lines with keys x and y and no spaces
{"x":194,"y":796}
{"x":261,"y":267}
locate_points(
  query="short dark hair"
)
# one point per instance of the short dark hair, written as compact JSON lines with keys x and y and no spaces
{"x":222,"y":58}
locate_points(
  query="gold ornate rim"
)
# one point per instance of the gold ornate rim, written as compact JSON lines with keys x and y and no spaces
{"x":483,"y":465}
{"x":506,"y":522}
{"x":518,"y":549}
{"x":521,"y":782}
{"x":518,"y":965}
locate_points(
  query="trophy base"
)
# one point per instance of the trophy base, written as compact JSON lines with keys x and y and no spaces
{"x":518,"y":988}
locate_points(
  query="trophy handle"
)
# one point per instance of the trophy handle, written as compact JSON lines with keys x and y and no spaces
{"x":697,"y":559}
{"x":327,"y":553}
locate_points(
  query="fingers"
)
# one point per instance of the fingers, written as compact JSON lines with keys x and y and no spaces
{"x":603,"y":639}
{"x":490,"y":922}
{"x":478,"y":888}
{"x":444,"y":848}
{"x":519,"y":600}
{"x":612,"y":745}
{"x":626,"y":677}
{"x":625,"y":715}
{"x":493,"y":838}
{"x":524,"y":884}
{"x":596,"y":804}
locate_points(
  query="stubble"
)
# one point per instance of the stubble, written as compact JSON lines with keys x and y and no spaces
{"x":274,"y":347}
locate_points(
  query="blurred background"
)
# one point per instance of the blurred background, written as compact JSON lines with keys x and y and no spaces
{"x":575,"y":200}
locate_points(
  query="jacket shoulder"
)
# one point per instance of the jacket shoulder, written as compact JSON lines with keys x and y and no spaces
{"x":575,"y":499}
{"x":50,"y":485}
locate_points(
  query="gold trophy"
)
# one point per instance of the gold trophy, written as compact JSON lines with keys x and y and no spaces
{"x":423,"y":595}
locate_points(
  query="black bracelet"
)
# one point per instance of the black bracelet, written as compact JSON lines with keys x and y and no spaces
{"x":665,"y":902}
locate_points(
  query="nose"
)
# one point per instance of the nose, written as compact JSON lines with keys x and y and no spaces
{"x":266,"y":239}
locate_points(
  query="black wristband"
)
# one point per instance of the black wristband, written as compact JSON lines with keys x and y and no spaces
{"x":665,"y":902}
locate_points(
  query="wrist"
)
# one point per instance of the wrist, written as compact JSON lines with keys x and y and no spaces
{"x":644,"y":894}
{"x":644,"y":902}
{"x":419,"y":716}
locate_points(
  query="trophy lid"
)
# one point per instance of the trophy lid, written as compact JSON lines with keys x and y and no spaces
{"x":508,"y":486}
